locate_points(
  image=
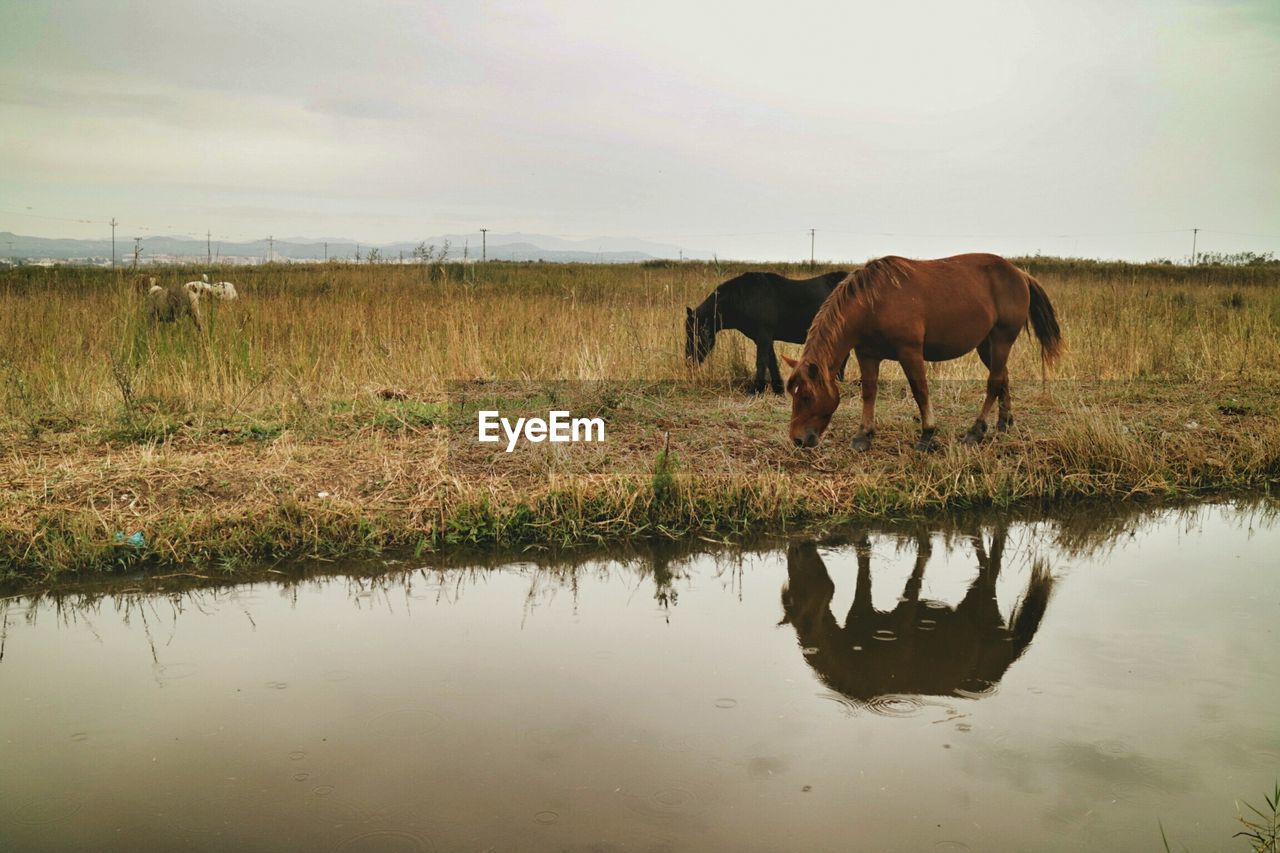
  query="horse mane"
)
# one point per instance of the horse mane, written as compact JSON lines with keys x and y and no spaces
{"x":822,"y":344}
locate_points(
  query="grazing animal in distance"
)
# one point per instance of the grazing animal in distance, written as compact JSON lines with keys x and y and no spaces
{"x":920,"y":647}
{"x":169,"y":303}
{"x":912,"y":312}
{"x":218,"y":289}
{"x":764,"y":306}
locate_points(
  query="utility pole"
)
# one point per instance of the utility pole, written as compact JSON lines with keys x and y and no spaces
{"x":271,"y":248}
{"x":113,"y":242}
{"x":326,"y":251}
{"x":208,"y":247}
{"x":1194,"y":233}
{"x":484,"y":253}
{"x":812,"y":232}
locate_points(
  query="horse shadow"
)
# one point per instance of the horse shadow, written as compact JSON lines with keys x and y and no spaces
{"x":921,"y":647}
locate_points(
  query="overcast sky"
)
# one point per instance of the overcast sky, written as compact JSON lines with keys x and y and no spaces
{"x":1093,"y":128}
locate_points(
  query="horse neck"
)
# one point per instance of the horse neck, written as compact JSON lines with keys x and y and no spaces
{"x":840,"y":339}
{"x":710,"y":311}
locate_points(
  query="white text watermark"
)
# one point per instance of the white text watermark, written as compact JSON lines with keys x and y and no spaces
{"x":558,"y":427}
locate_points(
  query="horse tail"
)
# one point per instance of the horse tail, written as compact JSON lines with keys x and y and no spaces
{"x":1027,"y":614}
{"x":1044,"y":321}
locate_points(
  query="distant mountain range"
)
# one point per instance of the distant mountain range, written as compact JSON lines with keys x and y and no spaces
{"x":500,"y":247}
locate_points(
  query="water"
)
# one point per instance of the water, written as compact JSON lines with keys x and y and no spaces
{"x":1036,"y":685}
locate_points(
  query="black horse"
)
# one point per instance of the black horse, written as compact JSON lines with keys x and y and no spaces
{"x":765,"y":307}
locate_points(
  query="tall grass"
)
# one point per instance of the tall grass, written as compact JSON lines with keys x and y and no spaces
{"x":71,"y":340}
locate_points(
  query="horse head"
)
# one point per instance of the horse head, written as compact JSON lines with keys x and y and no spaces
{"x":699,"y":336}
{"x":815,"y":395}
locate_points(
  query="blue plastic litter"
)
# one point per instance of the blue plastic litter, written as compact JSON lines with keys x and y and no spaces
{"x":133,"y":540}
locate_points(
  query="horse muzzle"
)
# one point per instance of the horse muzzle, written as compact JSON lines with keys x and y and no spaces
{"x":808,"y":439}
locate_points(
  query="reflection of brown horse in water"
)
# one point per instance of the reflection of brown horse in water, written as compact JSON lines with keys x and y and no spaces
{"x":912,"y":312}
{"x":919,"y":647}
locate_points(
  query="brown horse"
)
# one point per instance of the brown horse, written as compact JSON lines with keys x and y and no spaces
{"x":921,"y":647}
{"x":912,"y":312}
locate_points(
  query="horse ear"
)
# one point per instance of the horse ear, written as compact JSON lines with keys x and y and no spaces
{"x":813,"y":370}
{"x":791,"y":362}
{"x":688,"y":311}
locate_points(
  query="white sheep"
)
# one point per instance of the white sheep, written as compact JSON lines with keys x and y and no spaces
{"x":171,"y":303}
{"x":219,"y":289}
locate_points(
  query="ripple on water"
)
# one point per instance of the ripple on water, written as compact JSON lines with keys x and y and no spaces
{"x":809,"y":650}
{"x":1113,"y":748}
{"x":332,"y":810}
{"x":387,"y":839}
{"x":546,"y":817}
{"x":664,"y":803}
{"x":926,"y":625}
{"x":975,"y":688}
{"x":951,"y":845}
{"x":173,"y":671}
{"x":896,"y":705}
{"x":726,"y":702}
{"x":297,"y":755}
{"x":40,"y":811}
{"x":850,"y":706}
{"x":885,"y":635}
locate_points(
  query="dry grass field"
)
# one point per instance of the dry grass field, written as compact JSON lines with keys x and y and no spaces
{"x":323,"y":412}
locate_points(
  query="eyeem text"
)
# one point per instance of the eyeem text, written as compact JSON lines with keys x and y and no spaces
{"x":559,"y":427}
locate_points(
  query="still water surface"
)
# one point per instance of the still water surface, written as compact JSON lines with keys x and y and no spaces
{"x":1022,"y":686}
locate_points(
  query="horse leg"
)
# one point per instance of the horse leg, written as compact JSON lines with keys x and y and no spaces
{"x":843,"y":365}
{"x":763,"y":349}
{"x":924,"y":549}
{"x":913,"y":365}
{"x":978,"y":431}
{"x":861,"y":608}
{"x":994,"y":352}
{"x":979,"y":601}
{"x":870,"y":370}
{"x":1000,"y":348}
{"x":775,"y":375}
{"x":909,"y":603}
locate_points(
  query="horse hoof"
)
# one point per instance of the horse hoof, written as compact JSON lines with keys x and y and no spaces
{"x":1003,"y":425}
{"x":927,"y":443}
{"x":976,"y":434}
{"x":862,"y":442}
{"x":777,"y":389}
